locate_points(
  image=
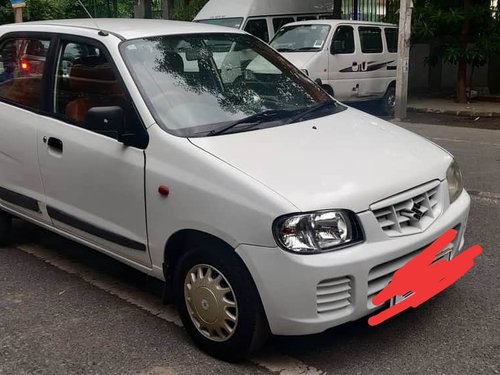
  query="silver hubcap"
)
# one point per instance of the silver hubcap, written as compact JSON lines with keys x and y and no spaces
{"x":391,"y":100}
{"x":211,"y":302}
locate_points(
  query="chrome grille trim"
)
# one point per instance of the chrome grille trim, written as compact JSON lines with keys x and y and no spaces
{"x":410,"y":212}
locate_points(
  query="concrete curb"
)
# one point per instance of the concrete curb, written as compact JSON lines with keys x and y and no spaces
{"x":464,"y":113}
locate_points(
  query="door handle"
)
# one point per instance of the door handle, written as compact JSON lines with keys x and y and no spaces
{"x":55,"y":144}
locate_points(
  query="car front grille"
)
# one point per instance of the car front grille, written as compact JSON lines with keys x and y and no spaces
{"x":410,"y":212}
{"x":334,"y":295}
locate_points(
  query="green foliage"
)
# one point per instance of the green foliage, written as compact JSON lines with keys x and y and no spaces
{"x":37,"y":10}
{"x":188,"y":12}
{"x":463,"y":34}
{"x":56,"y":9}
{"x":6,"y":12}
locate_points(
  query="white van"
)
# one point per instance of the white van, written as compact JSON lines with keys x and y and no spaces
{"x":354,"y":61}
{"x":262,"y":18}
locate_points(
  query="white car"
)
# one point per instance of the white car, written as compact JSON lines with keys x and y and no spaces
{"x":265,"y":205}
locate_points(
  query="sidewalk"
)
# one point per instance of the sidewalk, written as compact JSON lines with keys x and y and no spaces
{"x":478,"y":108}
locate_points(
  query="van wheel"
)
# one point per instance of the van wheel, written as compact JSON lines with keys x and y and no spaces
{"x":219,"y":304}
{"x":388,"y":103}
{"x":5,"y":228}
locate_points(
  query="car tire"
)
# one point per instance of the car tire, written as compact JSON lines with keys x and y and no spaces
{"x":5,"y":228}
{"x":228,"y":325}
{"x":388,"y":103}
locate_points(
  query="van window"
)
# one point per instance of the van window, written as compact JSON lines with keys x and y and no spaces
{"x":343,"y":41}
{"x":227,"y":22}
{"x":371,"y":39}
{"x":391,"y":36}
{"x":258,"y":28}
{"x":278,"y":22}
{"x":23,"y":63}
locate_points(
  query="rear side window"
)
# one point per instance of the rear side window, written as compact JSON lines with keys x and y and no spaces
{"x":391,"y":36}
{"x":278,"y":22}
{"x":22,"y":63}
{"x":343,"y":41}
{"x":371,"y":39}
{"x":258,"y":28}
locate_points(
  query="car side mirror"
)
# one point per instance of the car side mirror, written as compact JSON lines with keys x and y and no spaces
{"x":109,"y":121}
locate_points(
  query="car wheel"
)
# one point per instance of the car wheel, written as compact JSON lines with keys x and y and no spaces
{"x":219,"y":304}
{"x":5,"y":228}
{"x":388,"y":103}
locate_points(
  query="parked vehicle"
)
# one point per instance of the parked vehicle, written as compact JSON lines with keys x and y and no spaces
{"x":262,"y":18}
{"x":354,"y":61}
{"x":264,"y":204}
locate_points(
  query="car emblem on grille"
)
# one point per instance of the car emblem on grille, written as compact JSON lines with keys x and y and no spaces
{"x":414,"y":213}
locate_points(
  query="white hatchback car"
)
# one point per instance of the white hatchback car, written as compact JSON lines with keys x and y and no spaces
{"x":265,"y":205}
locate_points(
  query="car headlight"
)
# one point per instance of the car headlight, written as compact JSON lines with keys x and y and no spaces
{"x":317,"y":232}
{"x":455,"y":183}
{"x":305,"y":71}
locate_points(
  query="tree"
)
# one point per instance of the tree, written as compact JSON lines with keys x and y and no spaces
{"x":466,"y":32}
{"x":337,"y":9}
{"x":187,"y":12}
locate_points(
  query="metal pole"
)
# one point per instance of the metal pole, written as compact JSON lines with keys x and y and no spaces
{"x":405,"y":13}
{"x":18,"y":14}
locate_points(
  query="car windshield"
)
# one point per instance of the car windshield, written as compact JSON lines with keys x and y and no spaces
{"x":302,"y":38}
{"x":227,"y":22}
{"x":205,"y":84}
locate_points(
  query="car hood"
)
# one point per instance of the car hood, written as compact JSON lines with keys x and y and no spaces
{"x":349,"y":160}
{"x":299,"y":59}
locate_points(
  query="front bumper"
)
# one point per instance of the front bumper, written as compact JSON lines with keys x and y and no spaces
{"x":307,"y":294}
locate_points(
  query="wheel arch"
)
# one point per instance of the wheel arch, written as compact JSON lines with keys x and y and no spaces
{"x":184,"y":239}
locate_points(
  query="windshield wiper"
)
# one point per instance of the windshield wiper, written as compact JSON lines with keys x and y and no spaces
{"x":305,"y":49}
{"x":285,"y":50}
{"x":310,"y":110}
{"x":253,"y":120}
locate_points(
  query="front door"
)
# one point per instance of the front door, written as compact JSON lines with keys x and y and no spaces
{"x":344,"y":65}
{"x":94,"y":184}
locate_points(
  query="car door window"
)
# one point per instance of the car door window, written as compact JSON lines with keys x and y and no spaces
{"x":371,"y":39}
{"x":391,"y":36}
{"x":85,"y":79}
{"x":22,"y":63}
{"x":343,"y":41}
{"x":258,"y":28}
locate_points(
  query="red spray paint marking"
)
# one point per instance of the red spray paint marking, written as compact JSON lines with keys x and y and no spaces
{"x":424,"y":278}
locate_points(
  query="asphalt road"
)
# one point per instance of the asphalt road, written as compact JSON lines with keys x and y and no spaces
{"x":65,"y":309}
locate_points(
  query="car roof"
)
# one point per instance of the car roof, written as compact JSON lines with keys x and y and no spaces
{"x":125,"y":28}
{"x":336,"y":22}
